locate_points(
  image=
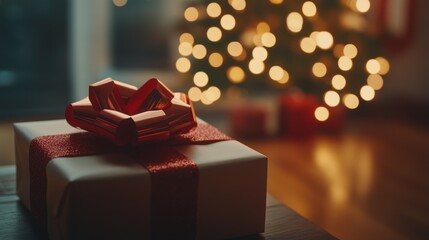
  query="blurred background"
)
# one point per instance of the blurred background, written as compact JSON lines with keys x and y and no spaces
{"x":333,"y":92}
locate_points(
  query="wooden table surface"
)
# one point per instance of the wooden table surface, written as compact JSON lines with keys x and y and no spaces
{"x":15,"y":222}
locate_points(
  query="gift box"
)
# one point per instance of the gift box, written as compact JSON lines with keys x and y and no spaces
{"x":296,"y":115}
{"x":111,"y":193}
{"x":249,"y":121}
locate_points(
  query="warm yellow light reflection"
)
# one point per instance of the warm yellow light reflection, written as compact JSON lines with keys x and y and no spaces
{"x":294,"y":22}
{"x":351,"y":101}
{"x":257,"y":40}
{"x":260,"y":53}
{"x":338,"y":82}
{"x":363,"y":5}
{"x":214,"y":34}
{"x":235,"y":49}
{"x":276,"y":73}
{"x":227,"y":22}
{"x":276,"y":1}
{"x":238,"y":5}
{"x":183,"y":65}
{"x":345,"y":63}
{"x":308,"y":45}
{"x":235,"y":74}
{"x":375,"y":81}
{"x":205,"y":98}
{"x":212,"y":93}
{"x":321,"y":113}
{"x":319,"y":69}
{"x":120,"y":3}
{"x":314,"y":34}
{"x":214,"y":10}
{"x":309,"y":9}
{"x":256,"y":67}
{"x":332,"y":98}
{"x":194,"y":94}
{"x":262,"y":27}
{"x":186,"y":37}
{"x":185,"y":49}
{"x":384,"y":65}
{"x":373,"y":66}
{"x":215,"y":59}
{"x":324,"y":40}
{"x":191,"y":14}
{"x":350,"y":51}
{"x":268,"y":39}
{"x":285,"y":78}
{"x":201,"y":79}
{"x":199,"y":51}
{"x":367,"y":93}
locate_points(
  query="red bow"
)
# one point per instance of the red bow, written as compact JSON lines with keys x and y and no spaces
{"x":127,"y":115}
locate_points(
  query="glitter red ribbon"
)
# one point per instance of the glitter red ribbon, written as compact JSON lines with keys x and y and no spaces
{"x":174,"y":177}
{"x":130,"y":116}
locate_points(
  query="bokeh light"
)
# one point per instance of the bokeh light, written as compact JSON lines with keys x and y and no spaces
{"x":238,"y":5}
{"x":256,"y":66}
{"x":351,"y":101}
{"x":235,"y":49}
{"x":199,"y":51}
{"x":191,"y":14}
{"x":285,"y":78}
{"x":201,"y":79}
{"x":183,"y":65}
{"x":367,"y":93}
{"x":384,"y":65}
{"x":120,"y":3}
{"x":321,"y":113}
{"x":319,"y":69}
{"x":186,"y":37}
{"x":324,"y":40}
{"x":332,"y":98}
{"x":308,"y":45}
{"x":276,"y":73}
{"x":363,"y":5}
{"x":294,"y":22}
{"x":373,"y":66}
{"x":227,"y":22}
{"x":215,"y":59}
{"x":194,"y":94}
{"x":260,"y":53}
{"x":185,"y":49}
{"x":236,"y":74}
{"x":338,"y":82}
{"x":345,"y":63}
{"x":214,"y":34}
{"x":309,"y":9}
{"x":262,"y":27}
{"x":268,"y":39}
{"x":375,"y":81}
{"x":214,"y":10}
{"x":350,"y":51}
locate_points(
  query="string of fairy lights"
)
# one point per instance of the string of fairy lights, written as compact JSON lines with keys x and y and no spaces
{"x":252,"y":45}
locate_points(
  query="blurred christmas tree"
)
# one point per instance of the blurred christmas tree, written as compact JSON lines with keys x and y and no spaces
{"x":328,"y":49}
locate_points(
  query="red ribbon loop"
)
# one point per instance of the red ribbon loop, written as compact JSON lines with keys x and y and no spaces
{"x":130,"y":116}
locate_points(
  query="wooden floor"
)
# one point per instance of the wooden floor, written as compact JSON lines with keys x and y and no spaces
{"x":370,"y":182}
